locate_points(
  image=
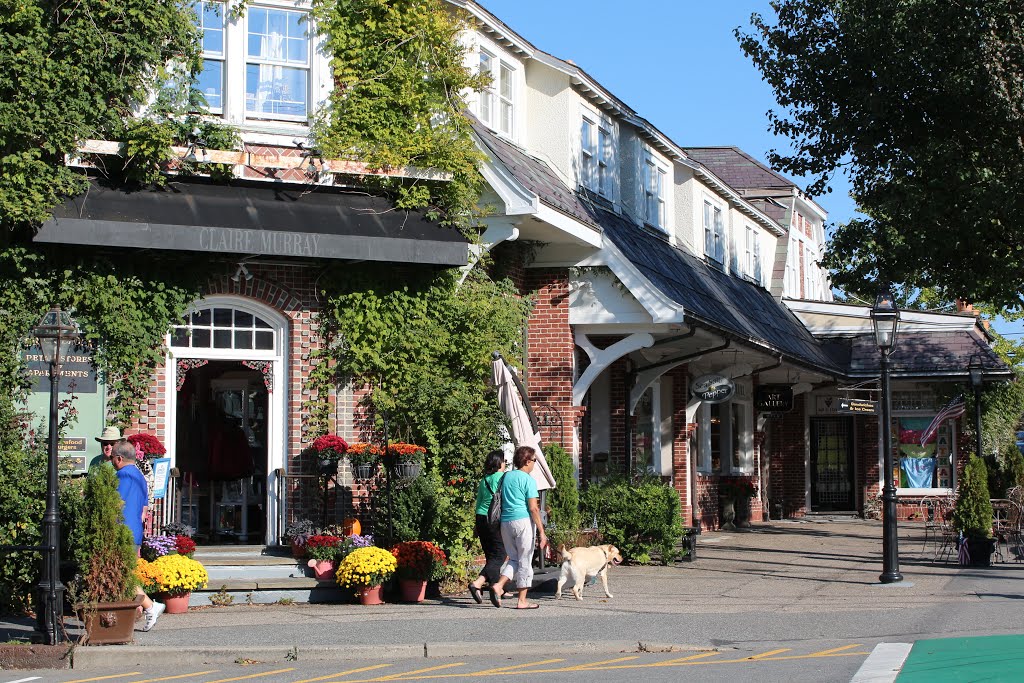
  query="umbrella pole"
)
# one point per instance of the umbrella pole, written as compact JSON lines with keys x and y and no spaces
{"x":543,"y":499}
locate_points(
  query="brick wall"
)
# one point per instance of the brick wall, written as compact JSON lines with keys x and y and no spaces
{"x":788,"y":469}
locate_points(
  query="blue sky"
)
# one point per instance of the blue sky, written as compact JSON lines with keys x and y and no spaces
{"x":677,"y":64}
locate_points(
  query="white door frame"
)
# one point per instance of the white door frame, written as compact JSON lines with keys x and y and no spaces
{"x":277,"y":429}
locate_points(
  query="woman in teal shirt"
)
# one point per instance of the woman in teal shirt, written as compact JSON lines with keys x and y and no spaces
{"x":520,"y":514}
{"x":494,"y":550}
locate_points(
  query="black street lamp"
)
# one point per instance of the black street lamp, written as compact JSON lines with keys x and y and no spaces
{"x":975,"y":370}
{"x":55,"y":333}
{"x":885,"y":319}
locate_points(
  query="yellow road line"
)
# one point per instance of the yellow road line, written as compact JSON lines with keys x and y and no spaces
{"x":242,"y":678}
{"x":343,"y":673}
{"x":680,"y":660}
{"x":107,"y":678}
{"x":399,"y":676}
{"x":592,"y":665}
{"x":833,"y":650}
{"x":770,"y":653}
{"x":171,"y":678}
{"x":504,"y":669}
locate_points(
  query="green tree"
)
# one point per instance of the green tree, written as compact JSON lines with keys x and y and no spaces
{"x":564,"y":500}
{"x":972,"y":514}
{"x":921,"y":104}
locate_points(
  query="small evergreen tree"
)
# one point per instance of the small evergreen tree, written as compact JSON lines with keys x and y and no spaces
{"x":565,"y":518}
{"x":972,"y":515}
{"x":106,"y":558}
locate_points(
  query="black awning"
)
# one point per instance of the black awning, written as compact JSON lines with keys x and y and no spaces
{"x":246,"y":219}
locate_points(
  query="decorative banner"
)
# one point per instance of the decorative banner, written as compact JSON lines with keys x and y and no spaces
{"x":161,"y":468}
{"x":713,"y":388}
{"x":266,"y":368}
{"x":773,"y":399}
{"x":186,"y":364}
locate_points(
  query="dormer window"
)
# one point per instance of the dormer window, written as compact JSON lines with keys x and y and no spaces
{"x":596,"y":154}
{"x":496,"y":104}
{"x":277,"y":64}
{"x":714,"y":232}
{"x":654,"y":175}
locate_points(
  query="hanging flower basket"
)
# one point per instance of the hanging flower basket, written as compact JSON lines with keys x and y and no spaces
{"x":407,"y":470}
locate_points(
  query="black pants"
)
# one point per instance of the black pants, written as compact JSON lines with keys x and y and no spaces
{"x":494,"y":549}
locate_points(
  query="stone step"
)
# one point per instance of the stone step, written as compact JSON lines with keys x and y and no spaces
{"x":264,"y":591}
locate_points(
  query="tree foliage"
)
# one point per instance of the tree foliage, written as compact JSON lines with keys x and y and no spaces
{"x":972,"y":514}
{"x":921,"y":104}
{"x":399,"y":77}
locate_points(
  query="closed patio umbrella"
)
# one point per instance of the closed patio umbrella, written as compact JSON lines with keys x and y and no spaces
{"x":512,"y":400}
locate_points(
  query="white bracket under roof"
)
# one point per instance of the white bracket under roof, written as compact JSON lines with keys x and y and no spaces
{"x":600,"y":359}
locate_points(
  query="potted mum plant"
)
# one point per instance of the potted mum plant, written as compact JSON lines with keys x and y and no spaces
{"x":405,"y":459}
{"x":147,"y":447}
{"x":972,"y":515}
{"x":323,"y":551}
{"x":179,"y":576}
{"x":158,"y":546}
{"x":296,"y":535}
{"x":733,"y":494}
{"x":364,"y":458}
{"x":105,"y":591}
{"x":330,"y":448}
{"x":417,"y":563}
{"x":365,"y":570}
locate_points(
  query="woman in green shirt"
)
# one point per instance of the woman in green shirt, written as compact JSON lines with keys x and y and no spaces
{"x":494,"y":550}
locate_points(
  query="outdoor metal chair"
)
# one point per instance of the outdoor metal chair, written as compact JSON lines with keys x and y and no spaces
{"x":1015,"y":541}
{"x":927,"y":511}
{"x":947,"y":534}
{"x":1002,"y":519}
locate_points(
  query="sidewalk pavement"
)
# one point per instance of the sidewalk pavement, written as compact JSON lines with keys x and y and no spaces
{"x":779,"y":581}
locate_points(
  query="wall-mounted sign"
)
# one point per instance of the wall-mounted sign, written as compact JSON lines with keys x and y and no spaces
{"x":713,"y":388}
{"x":773,"y":399}
{"x":161,"y":468}
{"x":856,"y":406}
{"x":77,"y":374}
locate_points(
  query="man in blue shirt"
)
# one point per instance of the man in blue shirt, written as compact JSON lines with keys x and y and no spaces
{"x":134,"y":491}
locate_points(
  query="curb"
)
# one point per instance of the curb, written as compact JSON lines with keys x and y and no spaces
{"x":96,"y":658}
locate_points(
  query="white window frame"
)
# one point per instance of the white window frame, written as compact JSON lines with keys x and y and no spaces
{"x":758,"y":274}
{"x":485,"y":98}
{"x":653,"y":179}
{"x":220,"y":57}
{"x":749,"y":237}
{"x":597,"y":152}
{"x":713,"y":217}
{"x":286,"y":63}
{"x":746,"y":445}
{"x":496,"y":105}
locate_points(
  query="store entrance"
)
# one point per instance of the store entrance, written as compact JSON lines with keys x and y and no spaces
{"x":832,"y":471}
{"x":221,"y":452}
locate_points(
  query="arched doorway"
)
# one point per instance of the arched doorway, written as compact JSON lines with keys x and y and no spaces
{"x":225,"y":398}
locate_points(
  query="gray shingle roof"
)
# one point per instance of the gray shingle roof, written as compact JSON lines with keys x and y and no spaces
{"x":926,"y":353}
{"x":737,"y":168}
{"x":715,"y":298}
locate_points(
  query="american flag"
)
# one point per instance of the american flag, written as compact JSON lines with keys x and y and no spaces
{"x":955,"y":408}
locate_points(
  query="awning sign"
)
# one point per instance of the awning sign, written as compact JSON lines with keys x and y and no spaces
{"x":713,"y":388}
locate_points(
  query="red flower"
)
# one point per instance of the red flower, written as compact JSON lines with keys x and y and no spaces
{"x":185,"y":545}
{"x":418,"y":559}
{"x":149,"y":444}
{"x":330,"y":446}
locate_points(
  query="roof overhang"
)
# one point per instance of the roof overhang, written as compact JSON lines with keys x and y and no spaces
{"x":253,"y":219}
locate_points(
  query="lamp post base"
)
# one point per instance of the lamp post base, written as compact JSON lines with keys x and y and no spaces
{"x":890,"y":577}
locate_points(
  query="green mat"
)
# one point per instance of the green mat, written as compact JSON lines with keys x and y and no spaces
{"x":988,"y":658}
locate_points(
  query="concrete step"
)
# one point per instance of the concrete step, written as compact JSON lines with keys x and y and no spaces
{"x":249,"y":563}
{"x":265,"y":591}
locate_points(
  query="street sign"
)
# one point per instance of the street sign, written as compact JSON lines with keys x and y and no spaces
{"x":856,"y":406}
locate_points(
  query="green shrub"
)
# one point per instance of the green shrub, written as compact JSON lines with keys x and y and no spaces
{"x":106,"y":556}
{"x":1005,"y":470}
{"x":564,"y":518}
{"x":414,"y":510}
{"x":638,"y":516}
{"x":22,"y":501}
{"x":972,"y":515}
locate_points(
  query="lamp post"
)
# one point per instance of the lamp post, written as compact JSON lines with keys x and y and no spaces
{"x":885,"y":320}
{"x":55,"y":333}
{"x":976,"y":372}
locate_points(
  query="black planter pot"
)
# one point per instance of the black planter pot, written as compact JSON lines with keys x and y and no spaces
{"x":363,"y":471}
{"x":980,"y":549}
{"x":328,"y":467}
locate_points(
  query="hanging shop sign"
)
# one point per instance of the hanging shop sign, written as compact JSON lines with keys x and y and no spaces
{"x":713,"y":388}
{"x":856,"y":406}
{"x":773,"y":399}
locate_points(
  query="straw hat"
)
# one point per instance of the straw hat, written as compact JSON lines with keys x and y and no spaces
{"x":109,"y":435}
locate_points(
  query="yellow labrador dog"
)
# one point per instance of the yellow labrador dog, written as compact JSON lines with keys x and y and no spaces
{"x":580,"y":564}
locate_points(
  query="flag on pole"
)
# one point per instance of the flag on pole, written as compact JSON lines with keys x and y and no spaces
{"x":954,"y":409}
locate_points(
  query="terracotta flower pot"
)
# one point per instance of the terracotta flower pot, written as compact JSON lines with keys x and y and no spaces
{"x":323,"y":570}
{"x":110,"y":623}
{"x":371,"y":595}
{"x":176,"y":604}
{"x":412,"y":590}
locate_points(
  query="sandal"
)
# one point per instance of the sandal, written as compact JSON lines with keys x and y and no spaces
{"x":475,"y":592}
{"x":495,"y":598}
{"x":532,"y":605}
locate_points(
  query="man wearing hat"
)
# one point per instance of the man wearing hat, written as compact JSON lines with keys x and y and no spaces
{"x":107,"y":439}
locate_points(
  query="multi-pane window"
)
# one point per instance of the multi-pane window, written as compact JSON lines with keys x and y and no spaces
{"x":714,"y":232}
{"x":210,"y":81}
{"x":758,"y":269}
{"x":486,"y":97}
{"x":496,"y":104}
{"x":654,"y":193}
{"x":277,"y":64}
{"x":223,"y":328}
{"x":596,"y":155}
{"x":809,"y":268}
{"x":748,"y":251}
{"x":793,"y":268}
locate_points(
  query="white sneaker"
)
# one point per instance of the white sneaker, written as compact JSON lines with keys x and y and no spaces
{"x":152,"y":614}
